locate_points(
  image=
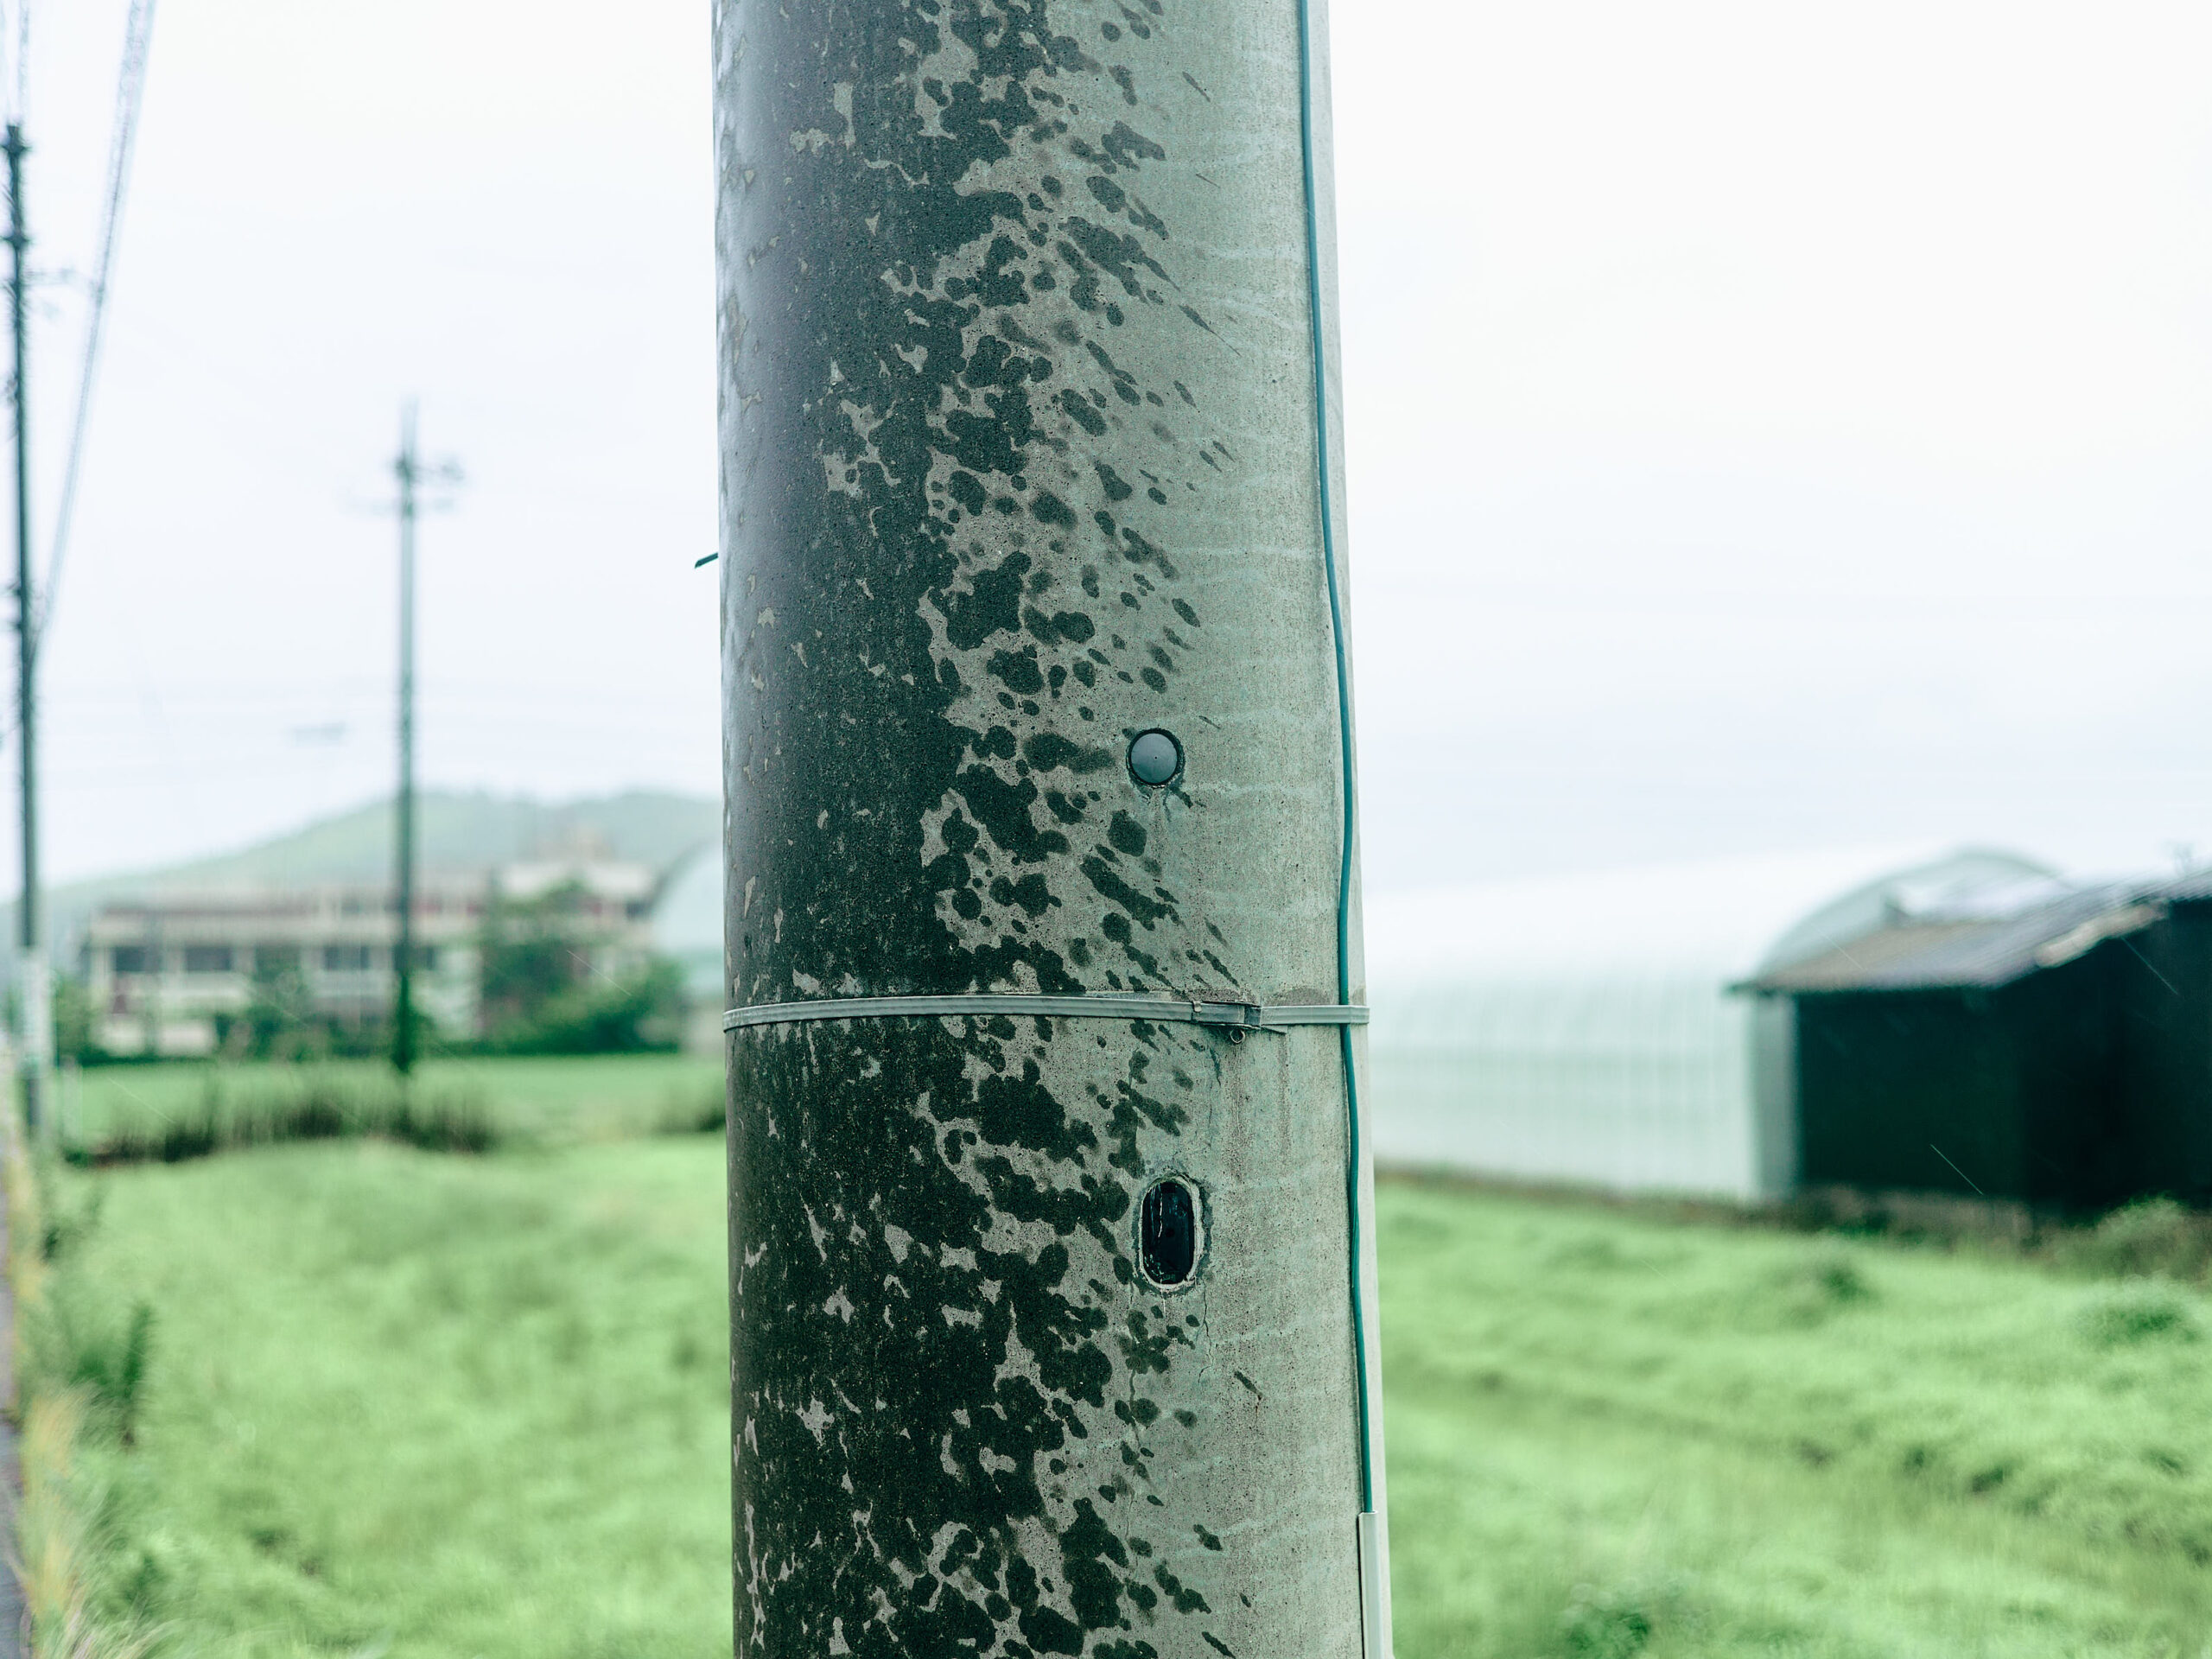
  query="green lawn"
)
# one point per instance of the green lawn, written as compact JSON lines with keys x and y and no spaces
{"x":421,"y":1404}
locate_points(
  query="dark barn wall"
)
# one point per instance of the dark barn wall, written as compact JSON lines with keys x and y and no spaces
{"x":1885,"y":1079}
{"x":2164,"y":1029}
{"x":2078,"y":1087}
{"x":2081,"y":1126}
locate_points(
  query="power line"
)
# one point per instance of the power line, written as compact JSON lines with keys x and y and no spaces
{"x":129,"y":94}
{"x":18,"y":106}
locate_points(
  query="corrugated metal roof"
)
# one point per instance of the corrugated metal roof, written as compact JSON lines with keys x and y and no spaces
{"x":1938,"y":952}
{"x":2187,"y":889}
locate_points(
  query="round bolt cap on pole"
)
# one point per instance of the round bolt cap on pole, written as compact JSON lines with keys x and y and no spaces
{"x":1156,"y":758}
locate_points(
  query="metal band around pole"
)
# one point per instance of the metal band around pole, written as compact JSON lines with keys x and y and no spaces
{"x":1243,"y":1016}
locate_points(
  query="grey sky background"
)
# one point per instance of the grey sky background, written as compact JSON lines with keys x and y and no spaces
{"x":1769,"y":428}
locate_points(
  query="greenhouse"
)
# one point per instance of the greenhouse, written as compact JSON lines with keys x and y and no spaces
{"x":1582,"y":1031}
{"x":687,"y":929}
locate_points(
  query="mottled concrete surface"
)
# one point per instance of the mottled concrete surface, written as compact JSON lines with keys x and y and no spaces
{"x":1019,"y":462}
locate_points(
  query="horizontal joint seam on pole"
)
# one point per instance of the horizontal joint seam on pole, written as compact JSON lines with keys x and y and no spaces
{"x":1242,"y":1016}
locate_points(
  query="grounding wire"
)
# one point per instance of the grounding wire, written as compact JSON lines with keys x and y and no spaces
{"x":1306,"y":97}
{"x":129,"y":94}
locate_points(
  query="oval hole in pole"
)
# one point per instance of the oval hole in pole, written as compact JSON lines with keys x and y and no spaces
{"x":1168,"y":1236}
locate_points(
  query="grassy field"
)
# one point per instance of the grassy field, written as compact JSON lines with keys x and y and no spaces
{"x":410,"y":1404}
{"x":1611,"y":1435}
{"x":416,"y":1404}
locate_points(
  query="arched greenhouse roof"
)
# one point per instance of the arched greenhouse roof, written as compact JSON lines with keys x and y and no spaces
{"x":1720,"y":918}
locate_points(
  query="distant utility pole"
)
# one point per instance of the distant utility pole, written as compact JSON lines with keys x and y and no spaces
{"x":37,"y":1031}
{"x":412,"y":475}
{"x":403,"y":960}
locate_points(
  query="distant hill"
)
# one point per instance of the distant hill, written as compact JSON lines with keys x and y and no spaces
{"x":456,"y":833}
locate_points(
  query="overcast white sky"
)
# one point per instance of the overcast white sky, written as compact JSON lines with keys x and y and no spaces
{"x":1770,"y":427}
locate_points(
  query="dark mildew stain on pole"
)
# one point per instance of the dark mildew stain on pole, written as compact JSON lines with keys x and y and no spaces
{"x":1043,"y":1338}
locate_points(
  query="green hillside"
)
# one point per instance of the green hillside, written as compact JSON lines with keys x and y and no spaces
{"x":458,"y":832}
{"x":464,"y":832}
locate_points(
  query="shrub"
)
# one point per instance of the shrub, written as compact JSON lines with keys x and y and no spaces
{"x":1823,"y":1282}
{"x":698,"y":1113}
{"x":2140,"y":1310}
{"x":542,"y":988}
{"x":2152,"y":1236}
{"x":643,"y":1013}
{"x":1618,"y":1621}
{"x":76,"y":1342}
{"x":1834,"y":1276}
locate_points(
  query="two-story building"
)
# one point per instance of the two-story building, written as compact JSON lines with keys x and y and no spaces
{"x":170,"y":972}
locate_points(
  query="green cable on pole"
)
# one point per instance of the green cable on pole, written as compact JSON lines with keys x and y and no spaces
{"x":1343,"y":732}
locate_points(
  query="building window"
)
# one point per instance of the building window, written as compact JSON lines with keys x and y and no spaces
{"x":131,"y":959}
{"x":345,"y":958}
{"x":208,"y":959}
{"x":276,"y":958}
{"x":426,"y":958}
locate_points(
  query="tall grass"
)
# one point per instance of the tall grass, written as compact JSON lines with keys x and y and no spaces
{"x":2154,"y":1237}
{"x":305,"y":1105}
{"x":56,"y":1553}
{"x":180,"y":1109}
{"x":80,"y":1374}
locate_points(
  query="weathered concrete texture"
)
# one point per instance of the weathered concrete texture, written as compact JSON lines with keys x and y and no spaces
{"x":1019,"y":462}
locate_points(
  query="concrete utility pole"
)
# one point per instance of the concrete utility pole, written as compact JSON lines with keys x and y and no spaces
{"x":1052,"y":1290}
{"x":35,"y":990}
{"x":413,"y":473}
{"x":407,"y":467}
